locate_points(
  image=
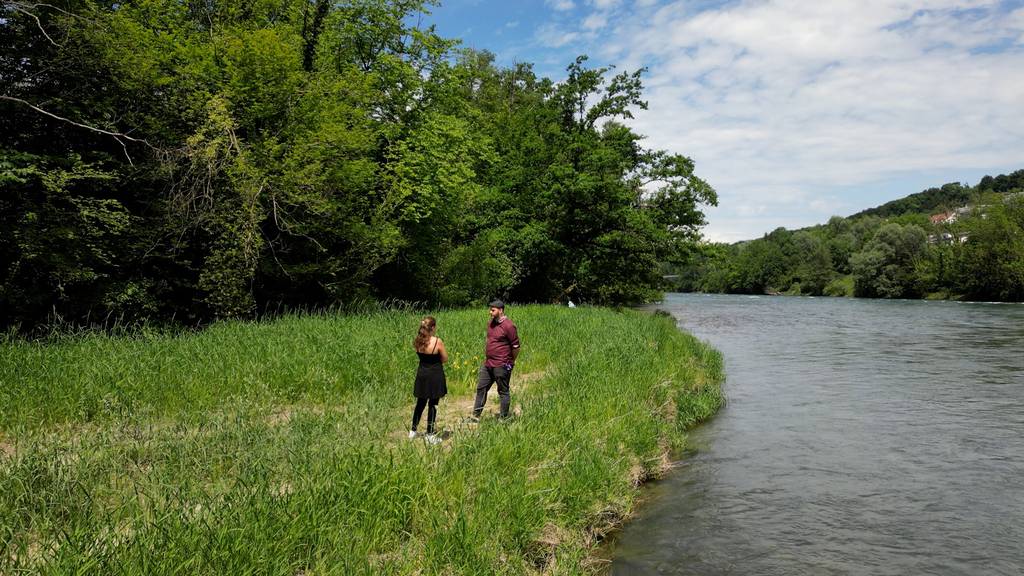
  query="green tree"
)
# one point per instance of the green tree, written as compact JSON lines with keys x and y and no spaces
{"x":584,"y":211}
{"x":991,"y":262}
{"x":217,"y":160}
{"x":840,"y":248}
{"x":884,"y":268}
{"x":813,"y":263}
{"x":760,"y":267}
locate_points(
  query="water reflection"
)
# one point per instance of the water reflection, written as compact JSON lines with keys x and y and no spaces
{"x":861,"y":437}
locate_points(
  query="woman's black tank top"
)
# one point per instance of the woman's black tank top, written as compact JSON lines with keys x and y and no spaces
{"x":429,"y":358}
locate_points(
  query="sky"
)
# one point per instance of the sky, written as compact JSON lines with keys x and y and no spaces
{"x":793,"y":110}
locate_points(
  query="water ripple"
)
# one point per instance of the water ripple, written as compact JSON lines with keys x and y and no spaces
{"x":861,"y":437}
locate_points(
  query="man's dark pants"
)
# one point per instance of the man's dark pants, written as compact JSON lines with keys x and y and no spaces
{"x":487,"y":377}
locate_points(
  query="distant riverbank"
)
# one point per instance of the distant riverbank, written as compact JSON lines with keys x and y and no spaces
{"x":281,"y":447}
{"x":845,"y":290}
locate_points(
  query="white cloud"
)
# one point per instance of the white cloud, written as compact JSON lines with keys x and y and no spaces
{"x":553,"y":36}
{"x":1015,"y":22}
{"x":561,"y":5}
{"x":595,"y":21}
{"x":783,"y":102}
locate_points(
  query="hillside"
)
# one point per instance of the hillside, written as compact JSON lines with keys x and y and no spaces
{"x":892,"y":251}
{"x":945,"y":197}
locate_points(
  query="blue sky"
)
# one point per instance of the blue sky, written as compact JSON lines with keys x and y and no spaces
{"x":793,"y":110}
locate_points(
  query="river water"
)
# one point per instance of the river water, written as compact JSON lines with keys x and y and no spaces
{"x":860,"y":437}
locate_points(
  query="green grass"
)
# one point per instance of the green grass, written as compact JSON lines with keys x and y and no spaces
{"x":943,"y":295}
{"x":279,"y":448}
{"x":841,"y":286}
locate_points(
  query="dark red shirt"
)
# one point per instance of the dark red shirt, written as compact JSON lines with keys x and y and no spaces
{"x":501,"y":339}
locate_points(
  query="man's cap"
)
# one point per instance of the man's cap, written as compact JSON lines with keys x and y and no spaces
{"x":496,"y":304}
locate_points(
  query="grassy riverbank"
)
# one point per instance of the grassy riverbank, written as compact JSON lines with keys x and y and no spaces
{"x":280,"y":448}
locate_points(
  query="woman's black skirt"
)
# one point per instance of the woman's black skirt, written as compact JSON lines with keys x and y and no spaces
{"x":430,"y":382}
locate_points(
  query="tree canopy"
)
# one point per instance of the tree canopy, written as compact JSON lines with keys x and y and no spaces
{"x":191,"y":161}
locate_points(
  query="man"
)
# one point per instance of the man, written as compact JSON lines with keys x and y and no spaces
{"x":500,"y":354}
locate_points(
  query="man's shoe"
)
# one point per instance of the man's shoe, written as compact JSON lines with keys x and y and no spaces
{"x":433,"y":439}
{"x":412,"y":434}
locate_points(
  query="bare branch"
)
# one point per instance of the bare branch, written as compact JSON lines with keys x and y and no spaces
{"x":115,"y":135}
{"x":18,"y":8}
{"x":23,"y":6}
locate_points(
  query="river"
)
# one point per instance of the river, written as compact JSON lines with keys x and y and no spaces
{"x":860,"y":437}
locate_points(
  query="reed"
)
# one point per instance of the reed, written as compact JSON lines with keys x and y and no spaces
{"x":279,"y":447}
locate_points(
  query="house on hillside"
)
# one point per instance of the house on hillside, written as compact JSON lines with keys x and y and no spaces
{"x":947,"y":238}
{"x":950,"y":216}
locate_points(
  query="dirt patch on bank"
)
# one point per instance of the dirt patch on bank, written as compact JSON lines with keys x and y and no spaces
{"x":454,"y":412}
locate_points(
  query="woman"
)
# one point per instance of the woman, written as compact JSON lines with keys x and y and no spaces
{"x":430,"y":384}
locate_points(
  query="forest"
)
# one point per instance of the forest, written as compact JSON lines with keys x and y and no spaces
{"x":956,"y":242}
{"x":167,"y":161}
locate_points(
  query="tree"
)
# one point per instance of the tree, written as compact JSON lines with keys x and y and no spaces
{"x":584,"y":210}
{"x":218,"y":160}
{"x":760,"y":267}
{"x":884,"y":268}
{"x":813,"y":267}
{"x":991,"y":262}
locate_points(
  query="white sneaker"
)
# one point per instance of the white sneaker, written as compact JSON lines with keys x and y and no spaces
{"x":412,"y":434}
{"x":433,"y":439}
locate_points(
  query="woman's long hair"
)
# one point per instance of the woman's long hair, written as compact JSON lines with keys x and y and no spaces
{"x":423,"y":336}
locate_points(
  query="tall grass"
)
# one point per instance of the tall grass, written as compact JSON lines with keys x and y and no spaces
{"x":279,"y":447}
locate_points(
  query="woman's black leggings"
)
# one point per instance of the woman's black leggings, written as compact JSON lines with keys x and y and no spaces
{"x":431,"y":414}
